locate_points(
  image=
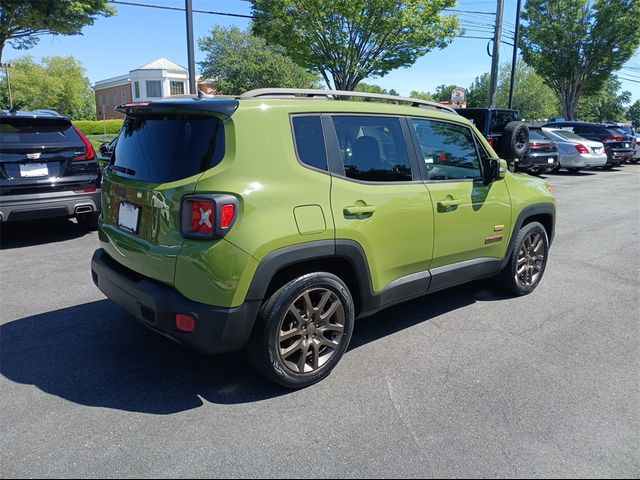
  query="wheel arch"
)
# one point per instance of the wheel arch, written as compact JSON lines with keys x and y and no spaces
{"x":544,"y":213}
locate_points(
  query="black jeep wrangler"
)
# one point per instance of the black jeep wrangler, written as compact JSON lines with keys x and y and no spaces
{"x":503,"y":129}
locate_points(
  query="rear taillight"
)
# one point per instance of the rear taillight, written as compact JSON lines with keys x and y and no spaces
{"x":208,"y":216}
{"x":582,"y":149}
{"x":492,"y":141}
{"x":614,"y":138}
{"x":89,"y":152}
{"x":536,"y":145}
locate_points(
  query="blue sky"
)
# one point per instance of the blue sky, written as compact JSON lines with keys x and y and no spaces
{"x":136,"y":36}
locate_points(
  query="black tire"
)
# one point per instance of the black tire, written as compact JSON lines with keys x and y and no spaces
{"x":608,"y":166}
{"x":514,"y":142}
{"x":535,"y":172}
{"x":284,"y":359}
{"x":88,"y":220}
{"x":509,"y":279}
{"x":634,"y":160}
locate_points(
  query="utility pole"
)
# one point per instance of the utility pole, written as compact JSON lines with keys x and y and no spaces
{"x":515,"y":55}
{"x":192,"y":65}
{"x":6,"y":71}
{"x":497,"y":35}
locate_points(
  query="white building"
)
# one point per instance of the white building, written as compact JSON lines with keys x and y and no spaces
{"x":159,"y":79}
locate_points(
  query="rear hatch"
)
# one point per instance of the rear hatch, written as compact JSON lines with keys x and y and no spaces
{"x":43,"y":154}
{"x":161,"y":152}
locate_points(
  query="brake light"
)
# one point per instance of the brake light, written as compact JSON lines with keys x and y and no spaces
{"x":614,"y":138}
{"x":536,"y":145}
{"x":492,"y":141}
{"x":89,"y":152}
{"x":208,"y":216}
{"x":228,"y":214}
{"x":582,"y":149}
{"x":202,"y":217}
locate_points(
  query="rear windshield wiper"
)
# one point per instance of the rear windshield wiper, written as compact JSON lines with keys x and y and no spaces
{"x":126,"y":171}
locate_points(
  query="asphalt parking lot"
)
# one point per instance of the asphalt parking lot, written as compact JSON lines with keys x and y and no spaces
{"x":463,"y":383}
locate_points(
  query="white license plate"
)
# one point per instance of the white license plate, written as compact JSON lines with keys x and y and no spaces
{"x":128,"y":217}
{"x":549,"y":160}
{"x":34,"y":170}
{"x":597,"y":151}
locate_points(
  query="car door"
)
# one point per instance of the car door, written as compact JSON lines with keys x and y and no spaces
{"x":378,"y":198}
{"x":471,"y":219}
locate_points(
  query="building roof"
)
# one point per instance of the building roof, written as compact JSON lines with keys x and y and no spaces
{"x":162,"y":64}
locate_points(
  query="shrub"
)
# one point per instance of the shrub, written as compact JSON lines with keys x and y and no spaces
{"x":97,"y":127}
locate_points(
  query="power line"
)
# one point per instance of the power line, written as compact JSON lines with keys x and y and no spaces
{"x":163,"y":7}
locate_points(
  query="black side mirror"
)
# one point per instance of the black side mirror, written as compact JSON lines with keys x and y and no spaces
{"x":103,"y":148}
{"x":491,"y":170}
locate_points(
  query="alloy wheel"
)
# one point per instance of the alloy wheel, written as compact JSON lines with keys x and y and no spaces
{"x":530,"y":263}
{"x":311,"y":330}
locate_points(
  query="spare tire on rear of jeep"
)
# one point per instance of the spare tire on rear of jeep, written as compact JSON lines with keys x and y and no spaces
{"x":515,"y":140}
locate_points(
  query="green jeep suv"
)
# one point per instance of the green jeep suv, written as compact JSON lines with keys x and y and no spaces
{"x":272,"y":220}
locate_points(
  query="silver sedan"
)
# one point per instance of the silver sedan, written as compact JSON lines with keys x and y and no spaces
{"x":575,"y":152}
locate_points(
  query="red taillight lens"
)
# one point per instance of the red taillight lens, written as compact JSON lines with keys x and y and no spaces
{"x":185,"y":323}
{"x":203,"y":217}
{"x":615,"y":138}
{"x":227,"y":216}
{"x":492,"y":141}
{"x":582,"y":149}
{"x":536,"y":145}
{"x":89,"y":152}
{"x":208,"y":216}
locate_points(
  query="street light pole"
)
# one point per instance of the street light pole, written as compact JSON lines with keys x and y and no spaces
{"x":190,"y":56}
{"x":515,"y":55}
{"x":497,"y":35}
{"x":6,"y":71}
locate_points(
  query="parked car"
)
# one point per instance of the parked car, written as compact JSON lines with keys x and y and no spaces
{"x":542,"y":155}
{"x":617,"y":146}
{"x":270,"y":222}
{"x":576,"y":153}
{"x":48,"y":168}
{"x":630,"y":134}
{"x":105,"y":151}
{"x":502,"y":128}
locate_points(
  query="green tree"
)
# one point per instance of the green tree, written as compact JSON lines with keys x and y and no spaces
{"x":23,"y":21}
{"x":443,"y":93}
{"x":478,"y":92}
{"x":422,"y":95}
{"x":575,"y":45}
{"x":352,"y":40}
{"x":531,"y":95}
{"x":59,"y":83}
{"x":238,"y":61}
{"x":607,"y":104}
{"x":633,"y":114}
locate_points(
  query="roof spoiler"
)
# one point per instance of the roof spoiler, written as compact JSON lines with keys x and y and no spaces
{"x":224,"y":107}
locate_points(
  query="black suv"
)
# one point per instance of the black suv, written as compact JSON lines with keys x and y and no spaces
{"x":48,"y":168}
{"x":502,"y":128}
{"x":618,"y":146}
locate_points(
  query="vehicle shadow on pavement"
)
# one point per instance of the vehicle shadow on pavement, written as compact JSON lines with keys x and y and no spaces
{"x":40,"y":232}
{"x":581,"y":173}
{"x":96,"y":355}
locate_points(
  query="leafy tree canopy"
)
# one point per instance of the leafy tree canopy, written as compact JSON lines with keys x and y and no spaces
{"x":238,"y":61}
{"x":575,"y":45}
{"x":59,"y":83}
{"x":607,"y":104}
{"x":352,"y":40}
{"x":633,"y":114}
{"x":23,"y":21}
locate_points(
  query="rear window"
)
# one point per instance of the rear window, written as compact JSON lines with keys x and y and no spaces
{"x":499,"y":120}
{"x":162,"y":148}
{"x":567,"y":134}
{"x":477,"y":118}
{"x":31,"y":131}
{"x":537,"y":135}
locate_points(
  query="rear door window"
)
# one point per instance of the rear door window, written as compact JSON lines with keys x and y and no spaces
{"x":500,"y":119}
{"x":449,"y":150}
{"x":162,"y":148}
{"x":373,"y":148}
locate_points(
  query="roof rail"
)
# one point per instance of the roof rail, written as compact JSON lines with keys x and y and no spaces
{"x":311,"y":93}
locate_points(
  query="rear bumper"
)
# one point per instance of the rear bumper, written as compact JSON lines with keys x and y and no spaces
{"x":583,"y":160}
{"x":218,"y":329}
{"x":539,"y":161}
{"x":617,"y":156}
{"x":45,"y":205}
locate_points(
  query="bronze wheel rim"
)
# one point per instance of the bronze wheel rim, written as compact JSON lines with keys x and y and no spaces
{"x":530,"y":262}
{"x":311,"y":330}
